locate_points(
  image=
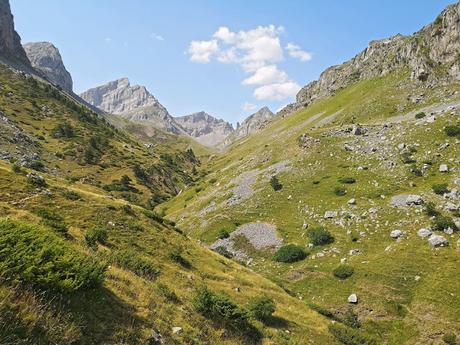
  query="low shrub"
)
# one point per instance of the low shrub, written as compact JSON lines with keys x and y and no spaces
{"x":441,"y":223}
{"x":452,"y":130}
{"x":430,"y":209}
{"x":166,"y":292}
{"x":339,"y":191}
{"x":350,"y":319}
{"x":343,"y":272}
{"x":275,"y":183}
{"x":223,"y":251}
{"x":407,"y":158}
{"x":30,"y":255}
{"x":223,"y":234}
{"x":449,"y":339}
{"x":261,"y":308}
{"x":420,"y":115}
{"x":36,"y":165}
{"x":349,"y":336}
{"x":53,"y":220}
{"x":290,"y":253}
{"x":132,"y":261}
{"x":176,"y":256}
{"x":325,"y":312}
{"x":319,"y":236}
{"x":95,"y":236}
{"x":71,"y":195}
{"x":347,"y":180}
{"x":440,"y":188}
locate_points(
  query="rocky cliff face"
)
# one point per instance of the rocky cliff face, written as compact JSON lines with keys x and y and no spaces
{"x":432,"y":55}
{"x":46,"y":58}
{"x":134,"y":103}
{"x":11,"y":50}
{"x":254,"y":122}
{"x":204,"y":128}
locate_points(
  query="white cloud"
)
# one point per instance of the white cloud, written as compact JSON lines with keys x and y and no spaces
{"x":156,"y":37}
{"x":266,"y":75}
{"x":201,"y":51}
{"x":257,"y":52}
{"x":296,"y":52}
{"x":277,"y":91}
{"x":248,"y":106}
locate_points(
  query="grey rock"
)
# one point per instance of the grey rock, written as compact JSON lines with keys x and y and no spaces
{"x":437,"y":241}
{"x":46,"y":58}
{"x":204,"y":128}
{"x":177,"y":330}
{"x":443,"y":168}
{"x":352,"y":201}
{"x":353,"y":298}
{"x":330,"y":214}
{"x":396,"y":234}
{"x":423,"y":233}
{"x":403,"y":200}
{"x":355,"y":252}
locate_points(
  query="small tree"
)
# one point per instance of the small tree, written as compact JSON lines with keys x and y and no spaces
{"x":223,"y":233}
{"x":275,"y":183}
{"x":320,"y":236}
{"x":261,"y":308}
{"x":343,"y":272}
{"x":290,"y":253}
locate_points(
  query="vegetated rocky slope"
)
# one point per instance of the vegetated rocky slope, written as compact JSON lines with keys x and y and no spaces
{"x":45,"y":57}
{"x":376,"y":163}
{"x":431,"y":54}
{"x":204,"y":128}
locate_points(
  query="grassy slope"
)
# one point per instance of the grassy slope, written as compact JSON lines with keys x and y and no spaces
{"x":127,"y":307}
{"x":394,"y":306}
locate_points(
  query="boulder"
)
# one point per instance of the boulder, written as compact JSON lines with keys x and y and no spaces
{"x":352,"y":201}
{"x":443,"y":168}
{"x":330,"y":214}
{"x":424,"y":233}
{"x":353,"y":298}
{"x":437,"y":241}
{"x":177,"y":330}
{"x":396,"y":234}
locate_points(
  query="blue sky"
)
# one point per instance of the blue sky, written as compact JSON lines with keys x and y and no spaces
{"x":246,"y":54}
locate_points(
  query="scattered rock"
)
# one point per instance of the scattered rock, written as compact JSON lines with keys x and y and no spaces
{"x":330,"y":214}
{"x":403,"y":200}
{"x":355,"y":252}
{"x":353,"y":298}
{"x":352,"y":201}
{"x":438,"y":241}
{"x":396,"y":234}
{"x":424,"y":233}
{"x":177,"y":330}
{"x":443,"y":168}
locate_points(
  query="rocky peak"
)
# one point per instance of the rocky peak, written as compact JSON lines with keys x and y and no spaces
{"x":11,"y":50}
{"x":431,"y":54}
{"x":46,"y":58}
{"x":254,"y":122}
{"x":205,"y":128}
{"x":134,"y":103}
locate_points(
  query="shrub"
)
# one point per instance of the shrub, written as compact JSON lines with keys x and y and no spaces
{"x":223,"y":251}
{"x":440,"y":188}
{"x":343,"y":272}
{"x":37,"y":165}
{"x":290,"y":253}
{"x":17,"y":169}
{"x":95,"y":236}
{"x":63,"y":130}
{"x":132,"y":261}
{"x":420,"y":115}
{"x":320,"y":236}
{"x":430,"y":209}
{"x":275,"y":183}
{"x":450,"y":338}
{"x":407,"y":158}
{"x":52,"y":219}
{"x":166,"y":292}
{"x":71,"y":195}
{"x":339,"y":191}
{"x":223,"y":234}
{"x":261,"y":308}
{"x":452,"y":131}
{"x":350,"y":319}
{"x":350,"y":336}
{"x":32,"y":256}
{"x":348,"y":180}
{"x":441,"y":223}
{"x":176,"y":256}
{"x":325,"y":312}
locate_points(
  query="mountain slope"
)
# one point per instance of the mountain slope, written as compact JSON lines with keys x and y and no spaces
{"x":204,"y":128}
{"x":134,"y":103}
{"x":45,"y":57}
{"x":352,"y":161}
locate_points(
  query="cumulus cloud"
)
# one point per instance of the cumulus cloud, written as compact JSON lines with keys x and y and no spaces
{"x":257,"y":52}
{"x":156,"y":37}
{"x":296,"y":52}
{"x":277,"y":91}
{"x":248,"y":106}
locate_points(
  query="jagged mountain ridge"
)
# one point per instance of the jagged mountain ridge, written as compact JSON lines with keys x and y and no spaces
{"x":45,"y":57}
{"x":436,"y":44}
{"x":204,"y":128}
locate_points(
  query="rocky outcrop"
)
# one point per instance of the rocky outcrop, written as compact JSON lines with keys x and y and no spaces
{"x":46,"y":58}
{"x":11,"y":50}
{"x":254,"y":122}
{"x":204,"y":128}
{"x":432,"y":55}
{"x":134,"y":103}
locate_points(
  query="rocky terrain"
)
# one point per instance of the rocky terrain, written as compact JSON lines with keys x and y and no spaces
{"x":423,"y":53}
{"x":45,"y":57}
{"x":132,"y":102}
{"x":204,"y":128}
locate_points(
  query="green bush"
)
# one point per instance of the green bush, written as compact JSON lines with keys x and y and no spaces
{"x":343,"y":272}
{"x":17,"y":169}
{"x":452,"y":131}
{"x":319,"y":236}
{"x":420,"y":115}
{"x":430,"y":209}
{"x":441,"y":223}
{"x":347,"y":180}
{"x":223,"y":251}
{"x":30,"y":255}
{"x":290,"y":253}
{"x":166,"y":292}
{"x":63,"y":130}
{"x":440,"y":188}
{"x":275,"y":183}
{"x":52,"y":219}
{"x":407,"y":158}
{"x":176,"y":256}
{"x":223,"y":234}
{"x":350,"y":319}
{"x":339,"y":191}
{"x":261,"y":308}
{"x":37,"y":165}
{"x":132,"y":261}
{"x":95,"y":236}
{"x":349,"y":336}
{"x":71,"y":195}
{"x":450,"y":338}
